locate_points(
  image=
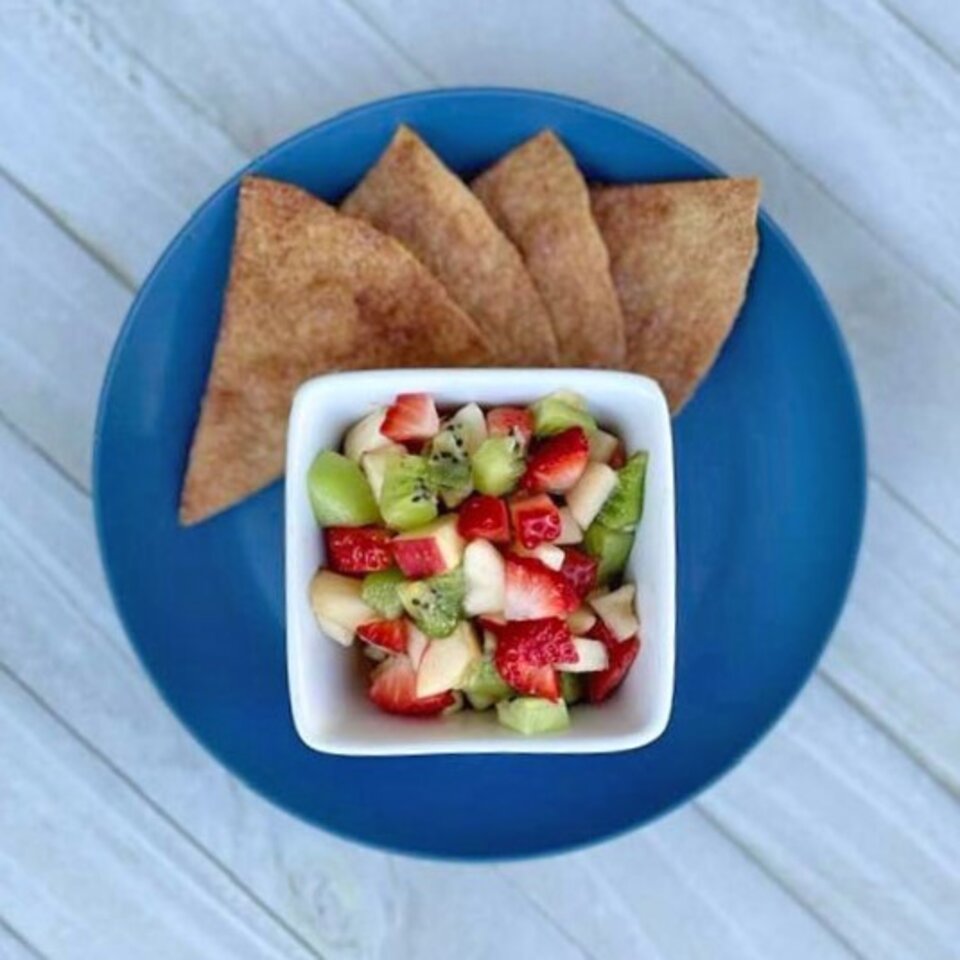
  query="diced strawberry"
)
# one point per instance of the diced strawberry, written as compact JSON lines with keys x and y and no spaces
{"x":534,"y":591}
{"x":413,"y":416}
{"x":527,"y":652}
{"x":580,"y":570}
{"x":536,"y":520}
{"x":386,"y":634}
{"x":622,"y":655}
{"x":483,"y":516}
{"x":504,"y":421}
{"x":358,"y":549}
{"x":618,"y":458}
{"x":393,"y":688}
{"x":557,"y":463}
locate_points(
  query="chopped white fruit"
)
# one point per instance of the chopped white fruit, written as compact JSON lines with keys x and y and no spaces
{"x":589,"y":493}
{"x":484,"y":574}
{"x":603,"y":446}
{"x":570,"y":531}
{"x":445,"y":662}
{"x":570,"y":397}
{"x":374,"y":465}
{"x":365,"y":435}
{"x":617,"y":611}
{"x":591,"y":656}
{"x":338,"y":605}
{"x":429,"y":550}
{"x":549,"y":555}
{"x":581,"y":620}
{"x":489,"y":643}
{"x":474,"y":425}
{"x":417,"y":642}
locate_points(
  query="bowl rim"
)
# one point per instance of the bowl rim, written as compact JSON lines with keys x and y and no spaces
{"x":532,"y":382}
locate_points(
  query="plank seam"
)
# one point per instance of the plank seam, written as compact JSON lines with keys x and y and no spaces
{"x":921,"y":35}
{"x":159,"y":812}
{"x":15,"y":935}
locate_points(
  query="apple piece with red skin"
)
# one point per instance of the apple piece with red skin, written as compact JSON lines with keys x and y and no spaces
{"x":430,"y":550}
{"x":446,"y":661}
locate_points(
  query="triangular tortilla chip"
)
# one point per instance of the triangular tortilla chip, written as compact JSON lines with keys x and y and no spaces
{"x":539,"y":198}
{"x":310,"y":291}
{"x":681,"y":255}
{"x":411,"y":195}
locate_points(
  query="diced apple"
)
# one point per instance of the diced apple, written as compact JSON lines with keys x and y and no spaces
{"x":591,"y":656}
{"x":374,"y":465}
{"x":570,"y":531}
{"x":338,"y":605}
{"x":590,"y":492}
{"x":365,"y":435}
{"x":603,"y":446}
{"x":474,"y":425}
{"x":617,"y":611}
{"x":445,"y":662}
{"x":485,"y":577}
{"x":581,"y":620}
{"x":549,"y":555}
{"x":489,"y":643}
{"x":427,"y":551}
{"x":417,"y":643}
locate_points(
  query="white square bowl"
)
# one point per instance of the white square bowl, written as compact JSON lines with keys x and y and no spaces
{"x":327,"y":688}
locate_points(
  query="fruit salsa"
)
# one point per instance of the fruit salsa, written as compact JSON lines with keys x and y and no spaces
{"x":479,"y":557}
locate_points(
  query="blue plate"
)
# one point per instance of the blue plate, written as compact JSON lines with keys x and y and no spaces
{"x":771,"y":491}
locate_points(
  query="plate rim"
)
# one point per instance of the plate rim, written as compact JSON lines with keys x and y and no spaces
{"x":858,"y":453}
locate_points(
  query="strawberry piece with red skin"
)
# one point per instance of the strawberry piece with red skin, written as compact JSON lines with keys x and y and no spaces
{"x":534,"y":591}
{"x":484,"y":517}
{"x":622,"y":654}
{"x":393,"y":688}
{"x":387,"y":634}
{"x":535,"y":519}
{"x":412,"y":417}
{"x":527,"y":652}
{"x":580,"y":570}
{"x":558,"y":462}
{"x":358,"y":549}
{"x":507,"y":421}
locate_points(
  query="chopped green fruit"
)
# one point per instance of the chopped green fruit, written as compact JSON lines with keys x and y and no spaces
{"x":497,"y":465}
{"x":380,"y":592}
{"x":571,"y":688}
{"x":484,"y":686}
{"x":529,"y":715}
{"x":570,"y":397}
{"x":624,"y":507}
{"x":436,"y":604}
{"x":406,"y":499}
{"x":610,"y":547}
{"x":554,"y":415}
{"x":448,"y":464}
{"x":339,"y":492}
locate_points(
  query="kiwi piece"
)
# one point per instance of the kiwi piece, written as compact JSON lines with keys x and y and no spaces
{"x":497,"y":465}
{"x":436,"y":604}
{"x":571,"y":688}
{"x":448,"y":464}
{"x":379,"y":590}
{"x":554,"y":414}
{"x":407,"y":500}
{"x":484,"y":686}
{"x":339,"y":493}
{"x":610,"y":547}
{"x":624,"y":507}
{"x":529,"y":715}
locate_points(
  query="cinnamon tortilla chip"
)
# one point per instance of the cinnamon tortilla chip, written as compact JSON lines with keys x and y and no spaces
{"x":310,"y":291}
{"x":411,"y":195}
{"x":681,"y":255}
{"x":539,"y":198}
